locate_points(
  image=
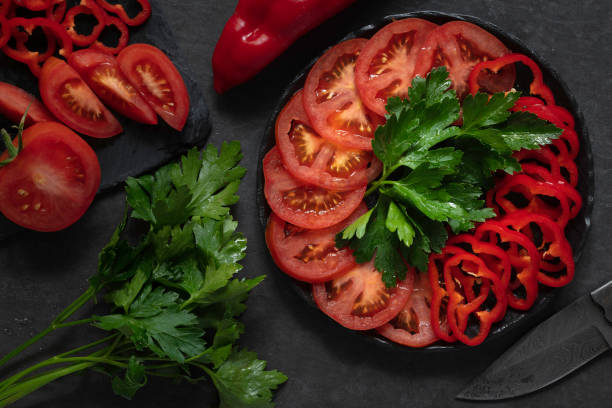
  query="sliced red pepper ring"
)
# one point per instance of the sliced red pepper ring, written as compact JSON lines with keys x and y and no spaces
{"x":57,"y":10}
{"x":123,"y":38}
{"x":87,"y":7}
{"x":22,"y":28}
{"x":461,"y":310}
{"x":521,"y":192}
{"x":118,"y":9}
{"x":34,"y":5}
{"x":556,"y":257}
{"x":522,"y":290}
{"x":559,"y":165}
{"x":537,"y":86}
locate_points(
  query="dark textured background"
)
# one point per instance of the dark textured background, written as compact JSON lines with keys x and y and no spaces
{"x":327,"y":365}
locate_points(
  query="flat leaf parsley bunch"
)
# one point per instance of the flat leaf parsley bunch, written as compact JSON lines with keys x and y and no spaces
{"x":174,"y":296}
{"x":435,"y":171}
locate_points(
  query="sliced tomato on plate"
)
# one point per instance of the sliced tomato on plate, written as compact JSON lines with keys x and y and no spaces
{"x":101,"y":72}
{"x":314,"y":160}
{"x":385,"y":66}
{"x":459,"y":46}
{"x":305,"y":205}
{"x":158,"y":81}
{"x":310,"y":255}
{"x":359,"y":299}
{"x":69,"y":98}
{"x":52,"y":181}
{"x":332,"y":102}
{"x":13,"y":104}
{"x":412,"y":326}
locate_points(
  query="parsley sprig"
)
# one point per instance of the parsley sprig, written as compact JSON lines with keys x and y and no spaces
{"x":436,"y":171}
{"x":174,"y":297}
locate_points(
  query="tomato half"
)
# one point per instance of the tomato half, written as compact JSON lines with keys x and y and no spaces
{"x":14,"y":101}
{"x":69,"y":98}
{"x":158,"y":81}
{"x":385,"y":66}
{"x":310,"y":255}
{"x":305,"y":205}
{"x":314,"y":160}
{"x":53,"y":180}
{"x":459,"y":46}
{"x":412,"y":326}
{"x":359,"y":299}
{"x":101,"y":72}
{"x":332,"y":102}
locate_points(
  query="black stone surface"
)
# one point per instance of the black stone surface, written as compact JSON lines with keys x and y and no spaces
{"x":327,"y":366}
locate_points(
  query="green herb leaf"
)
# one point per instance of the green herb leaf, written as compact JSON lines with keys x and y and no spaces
{"x":135,"y":378}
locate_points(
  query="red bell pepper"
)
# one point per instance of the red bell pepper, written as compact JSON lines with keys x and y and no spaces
{"x":460,"y":309}
{"x":87,"y":7}
{"x":554,"y":163}
{"x":537,"y":86}
{"x":522,"y":290}
{"x":57,"y":10}
{"x":118,"y":9}
{"x":123,"y":39}
{"x":260,"y":30}
{"x":556,"y":257}
{"x":33,"y":5}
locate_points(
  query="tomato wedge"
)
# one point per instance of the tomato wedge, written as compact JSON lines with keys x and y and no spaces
{"x":359,"y":299}
{"x":13,"y":104}
{"x":101,"y":72}
{"x":310,"y":255}
{"x":53,"y":180}
{"x":70,"y":99}
{"x":151,"y":72}
{"x":311,"y":159}
{"x":459,"y":46}
{"x":331,"y":100}
{"x":385,"y":66}
{"x":305,"y":205}
{"x":412,"y":326}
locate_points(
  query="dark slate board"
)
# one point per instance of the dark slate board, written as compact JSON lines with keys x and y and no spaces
{"x":140,"y":148}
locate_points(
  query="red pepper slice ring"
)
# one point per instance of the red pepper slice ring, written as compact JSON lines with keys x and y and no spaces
{"x":560,"y":166}
{"x":556,"y":257}
{"x":123,"y":39}
{"x":460,"y":309}
{"x":537,"y":86}
{"x":57,"y":10}
{"x":22,"y":28}
{"x":34,"y":5}
{"x":522,"y":291}
{"x":88,"y":8}
{"x":118,"y":9}
{"x":537,"y":197}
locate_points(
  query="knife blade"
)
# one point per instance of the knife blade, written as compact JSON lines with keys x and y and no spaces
{"x":561,"y":344}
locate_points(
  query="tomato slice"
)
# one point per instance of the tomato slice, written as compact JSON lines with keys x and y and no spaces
{"x":13,"y":104}
{"x":311,"y":159}
{"x":158,"y":81}
{"x":70,"y":99}
{"x":53,"y":180}
{"x":412,"y":326}
{"x":101,"y":72}
{"x":385,"y":66}
{"x":331,"y":100}
{"x":310,"y":255}
{"x":459,"y":46}
{"x":305,"y":205}
{"x":359,"y":299}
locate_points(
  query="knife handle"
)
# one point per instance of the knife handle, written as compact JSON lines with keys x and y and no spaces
{"x":603,"y":297}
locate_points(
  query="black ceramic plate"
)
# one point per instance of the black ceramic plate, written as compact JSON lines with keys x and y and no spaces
{"x":140,"y":148}
{"x":576,"y":231}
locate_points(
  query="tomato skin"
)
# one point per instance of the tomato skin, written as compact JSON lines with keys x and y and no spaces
{"x":401,"y":41}
{"x":68,"y":97}
{"x":332,"y":102}
{"x":328,"y":166}
{"x":355,"y":285}
{"x":296,"y":253}
{"x":279,"y":184}
{"x":14,"y":101}
{"x":53,"y":180}
{"x":101,"y":72}
{"x":151,"y":72}
{"x":459,"y":46}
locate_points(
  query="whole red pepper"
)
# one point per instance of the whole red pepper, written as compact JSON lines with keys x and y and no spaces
{"x":260,"y":30}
